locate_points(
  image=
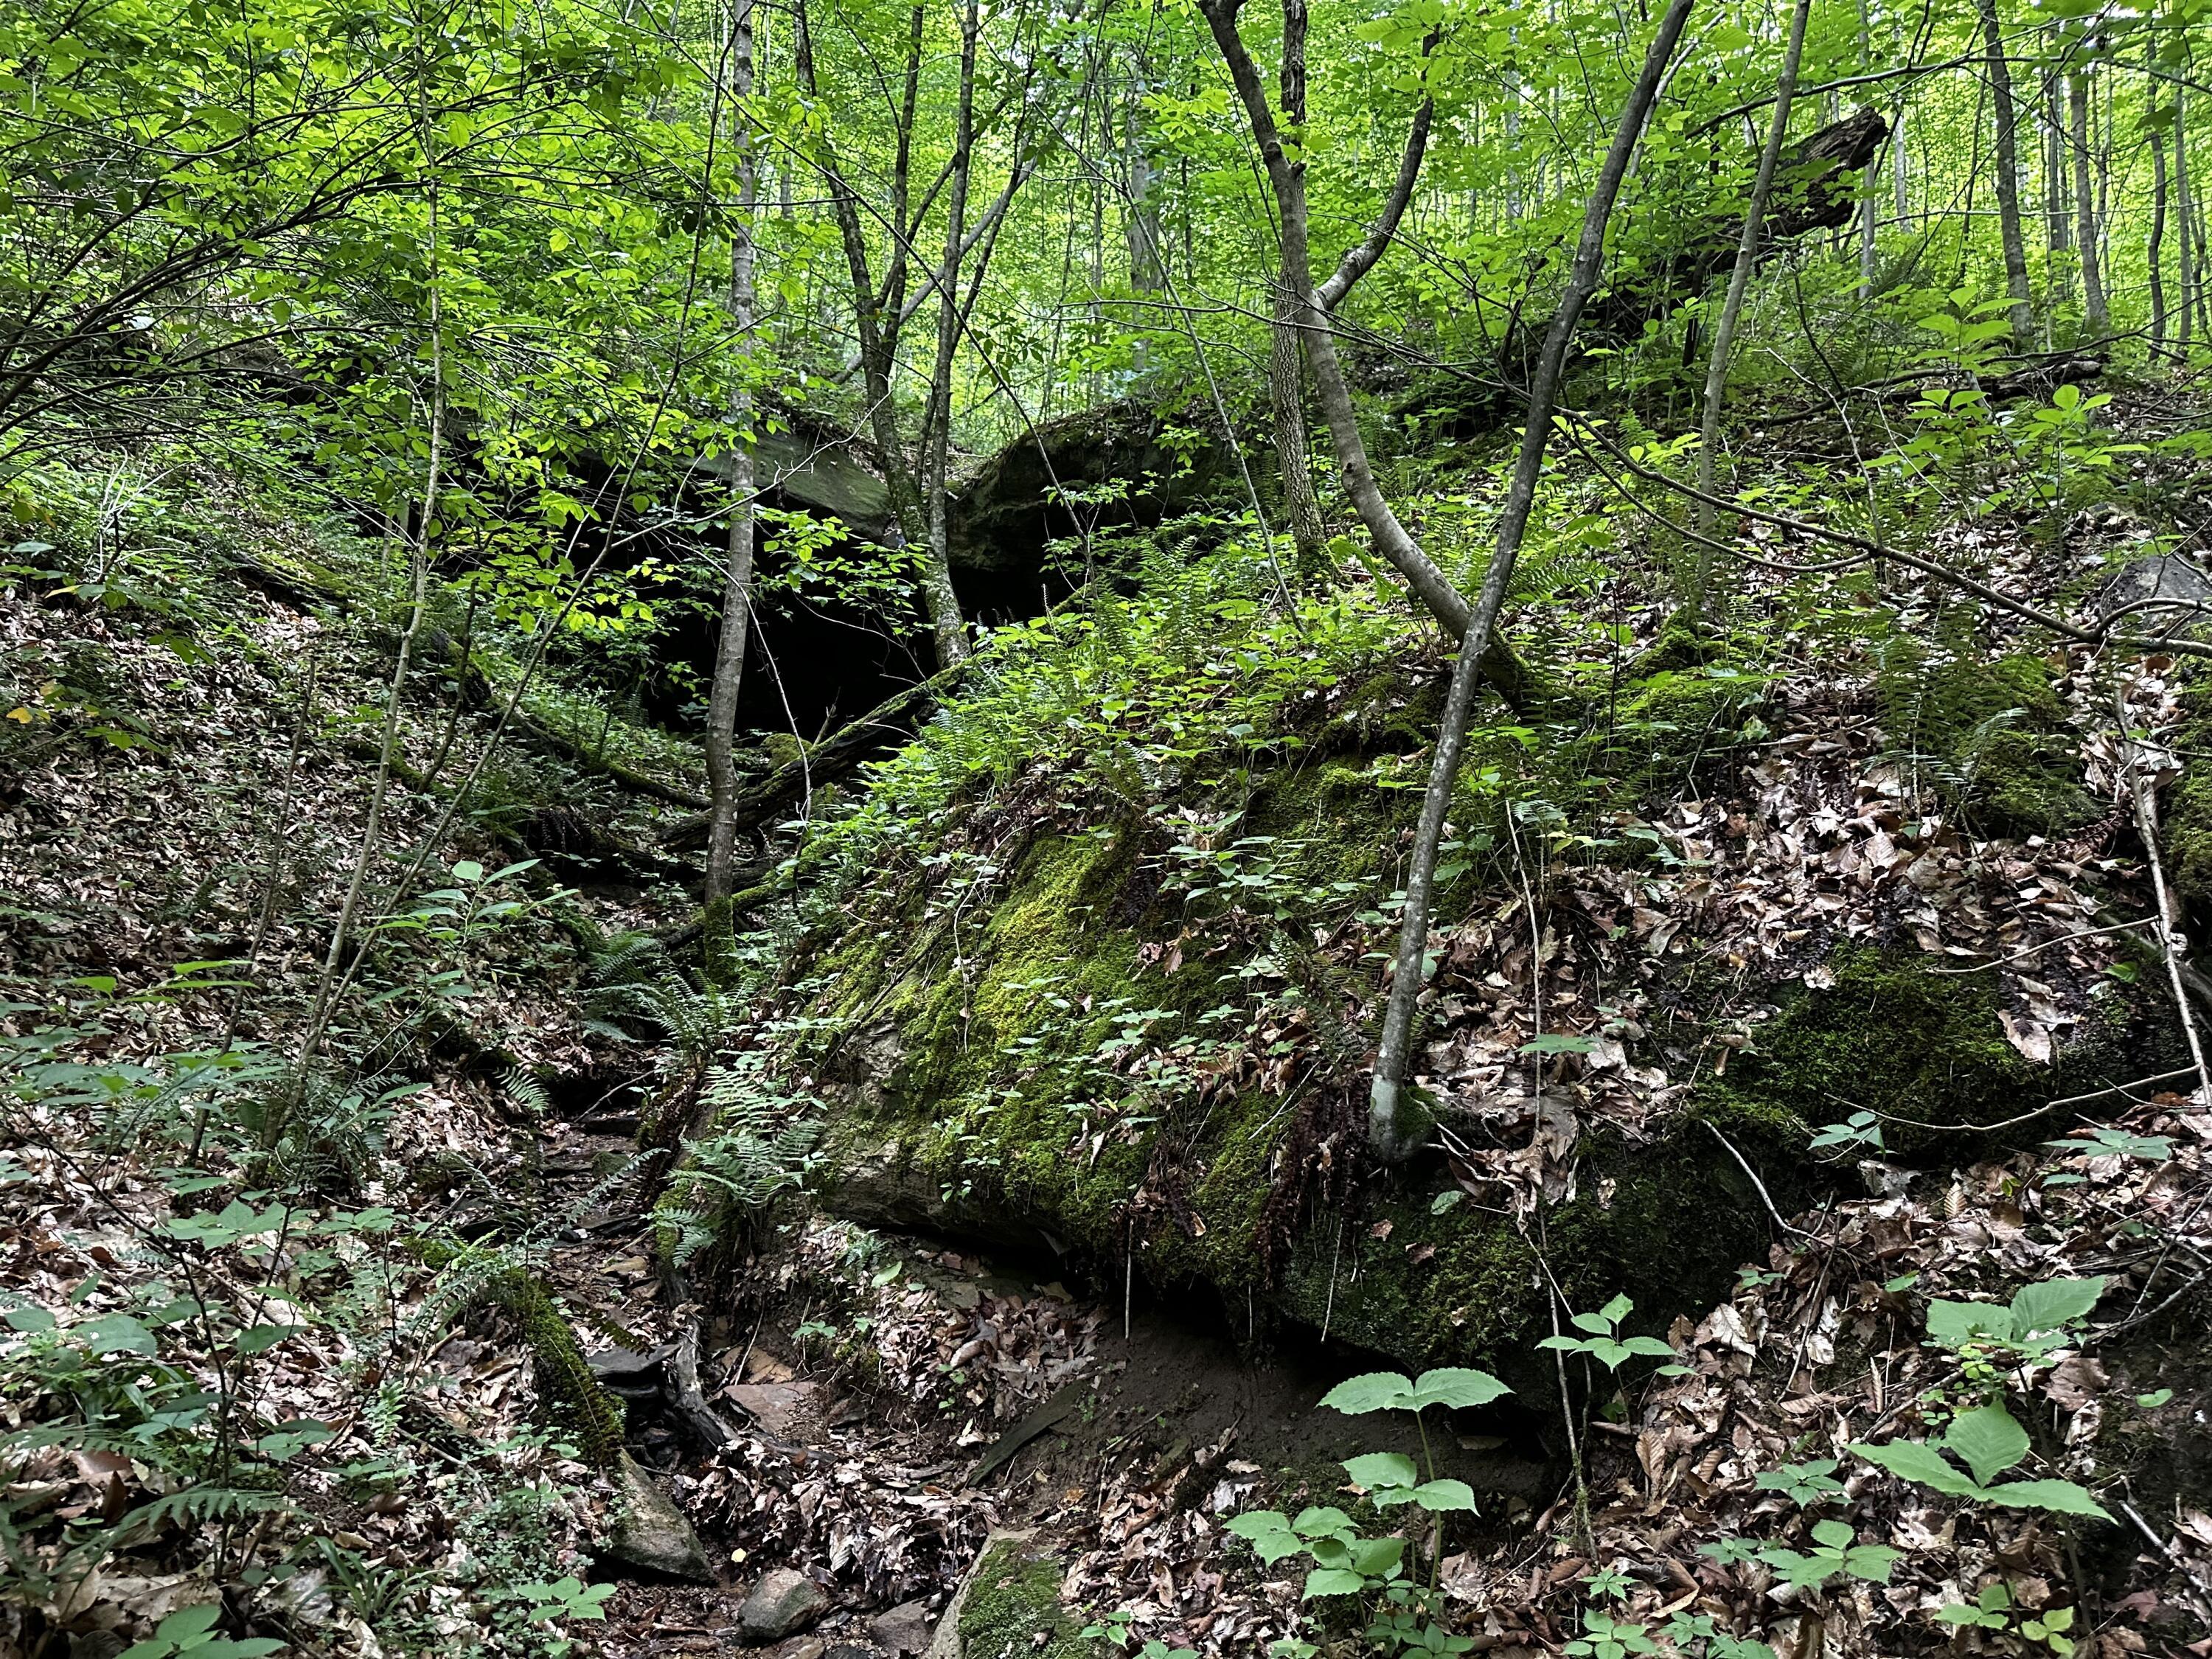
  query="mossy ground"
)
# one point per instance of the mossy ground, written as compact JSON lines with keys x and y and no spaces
{"x":1891,"y":1035}
{"x":1014,"y":1611}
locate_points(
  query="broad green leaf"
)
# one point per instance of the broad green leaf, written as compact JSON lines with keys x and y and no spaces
{"x":1377,"y":1557}
{"x":1332,"y":1580}
{"x":1955,"y":1323}
{"x":2059,"y":1497}
{"x":1383,"y":1471}
{"x":1456,"y":1387}
{"x":2054,"y":1304}
{"x":117,"y":1333}
{"x":1319,"y":1521}
{"x":1439,"y":1497}
{"x":1917,"y":1461}
{"x":1988,"y":1440}
{"x":1257,"y":1523}
{"x":1376,"y":1391}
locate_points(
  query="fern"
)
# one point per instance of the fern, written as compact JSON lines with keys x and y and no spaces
{"x":760,"y":1146}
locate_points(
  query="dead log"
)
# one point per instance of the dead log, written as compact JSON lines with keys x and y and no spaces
{"x":1815,"y":188}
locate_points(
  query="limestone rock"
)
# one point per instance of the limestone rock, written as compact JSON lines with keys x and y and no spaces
{"x":903,"y":1630}
{"x":782,"y":1602}
{"x":651,"y":1533}
{"x":789,"y":1411}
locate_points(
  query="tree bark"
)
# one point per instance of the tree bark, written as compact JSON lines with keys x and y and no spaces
{"x":2184,"y":215}
{"x":2022,"y":313}
{"x":738,"y":557}
{"x":2085,"y":207}
{"x":1293,"y":459}
{"x":1747,"y":260}
{"x":2160,"y":185}
{"x":1430,"y":584}
{"x":1386,"y":1121}
{"x":943,"y":605}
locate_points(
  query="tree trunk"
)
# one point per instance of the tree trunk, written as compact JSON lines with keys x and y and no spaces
{"x":1429,"y":585}
{"x":2022,"y":313}
{"x":1873,"y":171}
{"x":2184,"y":215}
{"x":2085,"y":207}
{"x":1386,"y":1122}
{"x":1747,"y":260}
{"x":943,"y":605}
{"x":737,"y":563}
{"x":1293,"y":459}
{"x":1286,"y":357}
{"x":2157,"y":250}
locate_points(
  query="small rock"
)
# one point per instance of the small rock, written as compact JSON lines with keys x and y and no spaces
{"x":783,"y":1601}
{"x":905,"y":1629}
{"x":800,"y":1647}
{"x":786,"y":1410}
{"x":651,"y":1533}
{"x":2169,"y":577}
{"x":852,"y":1650}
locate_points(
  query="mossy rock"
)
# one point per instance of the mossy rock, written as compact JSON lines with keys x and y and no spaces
{"x":1667,"y":1220}
{"x":1996,"y":737}
{"x":1892,"y":1035}
{"x":1011,"y":1607}
{"x":2186,"y":834}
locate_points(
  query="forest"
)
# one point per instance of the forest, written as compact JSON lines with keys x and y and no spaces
{"x":1105,"y":828}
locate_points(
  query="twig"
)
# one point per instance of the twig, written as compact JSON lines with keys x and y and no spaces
{"x":2171,"y":938}
{"x":2029,"y":950}
{"x":1743,"y":1163}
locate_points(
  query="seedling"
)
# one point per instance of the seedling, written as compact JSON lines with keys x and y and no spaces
{"x":1988,"y":1441}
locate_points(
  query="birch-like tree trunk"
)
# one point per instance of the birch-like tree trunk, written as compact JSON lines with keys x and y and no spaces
{"x":1386,"y":1120}
{"x":947,"y":624}
{"x":738,"y":553}
{"x":2022,"y":313}
{"x":2085,"y":206}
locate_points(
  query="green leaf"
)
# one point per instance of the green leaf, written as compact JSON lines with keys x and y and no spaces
{"x":2054,"y":1304}
{"x":1255,"y":1524}
{"x":2059,"y":1497}
{"x":262,"y":1338}
{"x":1441,"y":1497}
{"x":1457,"y":1387}
{"x":1377,"y":1558}
{"x":1332,"y":1580}
{"x":1917,"y":1461}
{"x":32,"y":1317}
{"x":2150,"y":1402}
{"x":1321,"y":1521}
{"x":1956,"y":1323}
{"x":1988,"y":1440}
{"x":1382,"y":1471}
{"x":1376,"y":1391}
{"x":117,"y":1332}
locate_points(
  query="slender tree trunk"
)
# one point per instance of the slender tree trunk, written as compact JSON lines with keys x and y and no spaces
{"x":1900,"y":168}
{"x":737,"y":559}
{"x":2085,"y":207}
{"x":1747,"y":260}
{"x":943,"y":605}
{"x":2157,"y":249}
{"x":1386,"y":1122}
{"x":1286,"y":357}
{"x":2184,"y":217}
{"x":1293,"y":459}
{"x":2058,"y":198}
{"x":1871,"y":184}
{"x":2022,"y":314}
{"x":1429,"y":585}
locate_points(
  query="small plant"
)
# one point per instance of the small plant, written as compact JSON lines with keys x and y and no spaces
{"x":1993,"y":1609}
{"x":1860,"y":1129}
{"x":189,"y":1633}
{"x":1992,"y":1339}
{"x":1835,"y":1554}
{"x":1686,"y":1630}
{"x":1605,"y":1636}
{"x":1114,"y":1627}
{"x":1344,"y":1564}
{"x":1605,"y":1344}
{"x":2109,"y":1143}
{"x":1807,"y":1485}
{"x":562,"y":1599}
{"x":1988,"y":1441}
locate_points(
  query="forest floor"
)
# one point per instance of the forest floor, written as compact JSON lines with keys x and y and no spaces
{"x":180,"y":805}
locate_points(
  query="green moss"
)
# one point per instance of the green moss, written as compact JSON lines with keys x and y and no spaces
{"x":2186,"y":834}
{"x":566,"y":1389}
{"x":1668,"y":1220}
{"x":1993,"y":735}
{"x":718,"y":946}
{"x":1890,"y":1035}
{"x":1013,"y":1610}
